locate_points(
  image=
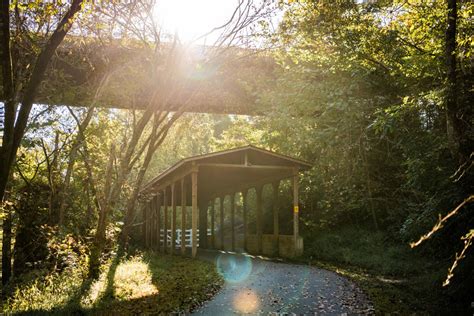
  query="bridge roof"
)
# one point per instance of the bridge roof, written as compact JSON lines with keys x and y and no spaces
{"x":229,"y":171}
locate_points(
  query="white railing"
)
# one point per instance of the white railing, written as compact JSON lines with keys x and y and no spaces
{"x":188,"y":242}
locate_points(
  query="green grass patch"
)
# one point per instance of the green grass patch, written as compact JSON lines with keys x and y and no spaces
{"x":366,"y":249}
{"x":149,"y":283}
{"x":393,"y":295}
{"x":396,"y":278}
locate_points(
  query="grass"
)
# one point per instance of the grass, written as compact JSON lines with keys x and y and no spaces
{"x":144,"y":284}
{"x":397,"y":280}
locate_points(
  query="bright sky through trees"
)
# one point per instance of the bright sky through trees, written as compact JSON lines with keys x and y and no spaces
{"x":192,"y":19}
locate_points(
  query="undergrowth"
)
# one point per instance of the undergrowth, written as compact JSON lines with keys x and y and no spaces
{"x":148,"y":283}
{"x":397,"y":279}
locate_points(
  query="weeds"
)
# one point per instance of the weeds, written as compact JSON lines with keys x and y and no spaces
{"x":146,"y":283}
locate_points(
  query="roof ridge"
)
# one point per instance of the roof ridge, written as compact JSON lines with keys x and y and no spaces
{"x":223,"y":152}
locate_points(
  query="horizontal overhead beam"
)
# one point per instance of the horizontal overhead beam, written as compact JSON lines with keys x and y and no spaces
{"x":245,"y":186}
{"x":114,"y":75}
{"x":175,"y":178}
{"x":243,"y":166}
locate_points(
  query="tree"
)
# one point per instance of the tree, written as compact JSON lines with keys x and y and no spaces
{"x":459,"y":115}
{"x":13,"y":81}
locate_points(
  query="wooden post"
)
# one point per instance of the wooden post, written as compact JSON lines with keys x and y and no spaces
{"x":221,"y":210}
{"x":296,"y":210}
{"x":156,"y":238}
{"x":259,"y":191}
{"x":244,"y":211}
{"x":232,"y":220}
{"x":144,"y":228}
{"x":165,"y":219}
{"x":213,"y":232}
{"x":183,"y":217}
{"x":145,"y":224}
{"x":153,"y":223}
{"x":202,"y":224}
{"x":194,"y":215}
{"x":159,"y":201}
{"x":173,"y":218}
{"x":276,"y":220}
{"x":150,"y":219}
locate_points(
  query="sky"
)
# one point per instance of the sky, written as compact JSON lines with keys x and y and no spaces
{"x":191,"y":19}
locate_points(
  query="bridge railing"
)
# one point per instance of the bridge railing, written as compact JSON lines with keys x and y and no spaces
{"x":188,"y":243}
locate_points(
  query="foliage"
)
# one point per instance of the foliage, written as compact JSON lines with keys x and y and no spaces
{"x":373,"y":252}
{"x":358,"y":88}
{"x":145,"y":283}
{"x":360,"y":92}
{"x":396,"y":279}
{"x":31,"y":249}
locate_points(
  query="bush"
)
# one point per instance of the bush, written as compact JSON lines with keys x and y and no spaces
{"x":364,"y":248}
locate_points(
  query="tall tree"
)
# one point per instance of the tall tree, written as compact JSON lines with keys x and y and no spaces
{"x":15,"y":96}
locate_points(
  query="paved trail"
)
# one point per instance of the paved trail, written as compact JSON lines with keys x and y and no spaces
{"x":256,"y":286}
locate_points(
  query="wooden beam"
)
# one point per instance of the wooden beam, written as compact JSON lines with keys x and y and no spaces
{"x":259,"y":191}
{"x":213,"y":218}
{"x":245,"y":215}
{"x":173,"y":218}
{"x":194,"y":215}
{"x":261,"y":182}
{"x":165,"y":219}
{"x":232,"y":220}
{"x":183,"y":216}
{"x":177,"y":177}
{"x":221,"y":211}
{"x":276,"y":219}
{"x":296,"y":210}
{"x":243,"y":166}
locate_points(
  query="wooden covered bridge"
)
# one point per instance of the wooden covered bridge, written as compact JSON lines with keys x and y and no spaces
{"x":198,"y":181}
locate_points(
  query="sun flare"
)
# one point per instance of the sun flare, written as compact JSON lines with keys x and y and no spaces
{"x":191,"y":19}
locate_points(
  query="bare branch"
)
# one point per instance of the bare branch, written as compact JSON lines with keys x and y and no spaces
{"x":441,"y":222}
{"x":467,"y":243}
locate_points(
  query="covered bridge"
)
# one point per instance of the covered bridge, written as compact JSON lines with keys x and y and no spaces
{"x":198,"y":181}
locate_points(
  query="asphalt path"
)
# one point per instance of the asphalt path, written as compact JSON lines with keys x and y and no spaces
{"x":255,"y":285}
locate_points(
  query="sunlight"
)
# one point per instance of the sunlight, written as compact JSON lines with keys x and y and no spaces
{"x":132,"y":279}
{"x":246,"y":302}
{"x":191,"y":20}
{"x":234,"y":269}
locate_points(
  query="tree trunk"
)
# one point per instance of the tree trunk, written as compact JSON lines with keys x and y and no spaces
{"x":100,"y":237}
{"x":15,"y":131}
{"x":8,"y":124}
{"x":79,"y":139}
{"x":459,"y":120}
{"x":156,"y":139}
{"x":7,"y":248}
{"x":451,"y":80}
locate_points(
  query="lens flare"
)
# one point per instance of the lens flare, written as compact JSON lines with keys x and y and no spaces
{"x":234,"y":268}
{"x":246,"y":302}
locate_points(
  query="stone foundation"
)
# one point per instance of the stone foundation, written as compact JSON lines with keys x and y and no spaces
{"x":286,"y":245}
